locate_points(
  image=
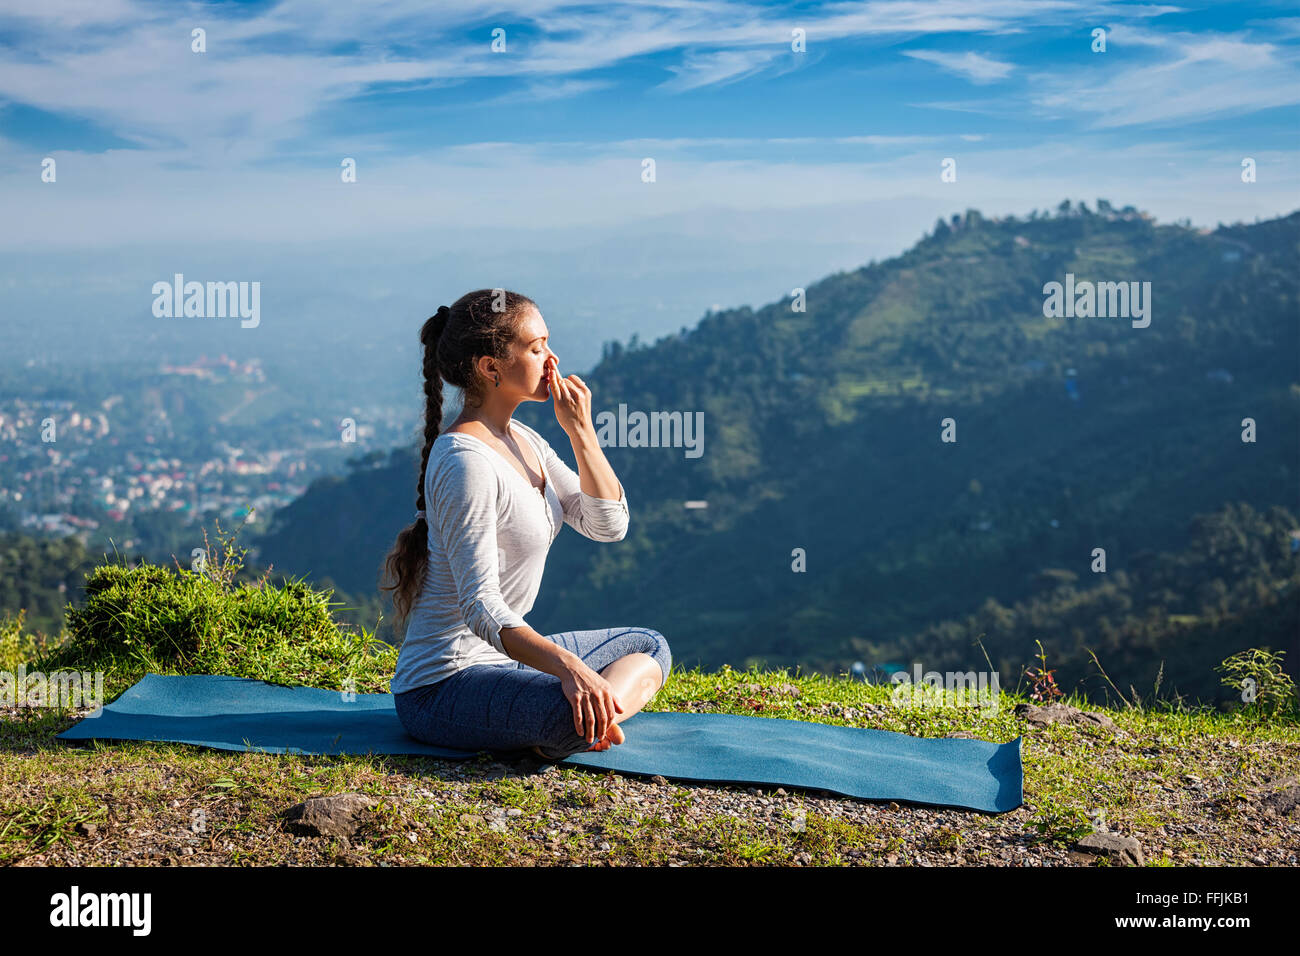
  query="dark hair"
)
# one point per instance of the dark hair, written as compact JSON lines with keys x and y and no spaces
{"x":483,"y":322}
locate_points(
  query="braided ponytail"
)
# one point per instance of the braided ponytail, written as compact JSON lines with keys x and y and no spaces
{"x":476,"y":328}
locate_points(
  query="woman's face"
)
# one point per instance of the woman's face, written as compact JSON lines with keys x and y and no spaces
{"x":532,"y":351}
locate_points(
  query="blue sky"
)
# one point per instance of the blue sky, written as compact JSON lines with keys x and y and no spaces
{"x":523,"y":168}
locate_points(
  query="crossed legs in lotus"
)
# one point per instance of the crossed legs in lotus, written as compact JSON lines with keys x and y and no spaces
{"x":635,"y":678}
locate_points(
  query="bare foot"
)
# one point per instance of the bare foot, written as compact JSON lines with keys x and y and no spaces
{"x":613,"y":736}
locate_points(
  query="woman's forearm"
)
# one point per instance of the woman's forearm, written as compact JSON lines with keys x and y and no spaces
{"x":526,"y":645}
{"x":596,"y":474}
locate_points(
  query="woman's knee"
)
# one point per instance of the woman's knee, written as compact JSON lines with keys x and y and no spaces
{"x":657,"y":647}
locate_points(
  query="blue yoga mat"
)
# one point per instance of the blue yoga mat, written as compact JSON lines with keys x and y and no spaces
{"x":235,"y":713}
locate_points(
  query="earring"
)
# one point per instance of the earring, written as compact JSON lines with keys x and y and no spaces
{"x":498,"y":381}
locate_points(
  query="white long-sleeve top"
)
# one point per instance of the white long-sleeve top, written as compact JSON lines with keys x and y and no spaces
{"x":489,"y":533}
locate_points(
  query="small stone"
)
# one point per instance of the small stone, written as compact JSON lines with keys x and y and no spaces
{"x":1125,"y":849}
{"x":336,"y":815}
{"x":1057,"y":713}
{"x":514,"y":812}
{"x":1283,"y":802}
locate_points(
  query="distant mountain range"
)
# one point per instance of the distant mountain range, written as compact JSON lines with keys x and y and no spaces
{"x":823,"y":437}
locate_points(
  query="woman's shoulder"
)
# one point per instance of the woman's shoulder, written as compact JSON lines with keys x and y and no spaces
{"x":459,"y":452}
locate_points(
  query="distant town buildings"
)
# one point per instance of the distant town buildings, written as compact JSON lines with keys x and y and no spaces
{"x":220,"y":367}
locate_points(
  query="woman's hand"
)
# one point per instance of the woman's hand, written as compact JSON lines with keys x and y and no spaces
{"x":571,"y":398}
{"x":593,"y":700}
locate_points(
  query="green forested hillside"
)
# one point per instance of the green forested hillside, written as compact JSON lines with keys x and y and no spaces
{"x":822,"y":432}
{"x":38,"y":576}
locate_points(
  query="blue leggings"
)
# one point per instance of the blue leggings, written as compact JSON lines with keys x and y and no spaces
{"x":515,"y":706}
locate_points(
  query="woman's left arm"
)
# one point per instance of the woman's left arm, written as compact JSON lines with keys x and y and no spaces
{"x":596,"y":509}
{"x":602,"y":514}
{"x":596,"y":475}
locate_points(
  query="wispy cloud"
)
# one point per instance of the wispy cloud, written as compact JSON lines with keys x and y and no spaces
{"x":709,"y":69}
{"x":973,"y":66}
{"x":541,"y":91}
{"x":1198,"y":77}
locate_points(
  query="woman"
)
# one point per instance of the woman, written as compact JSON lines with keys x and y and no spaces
{"x":471,"y":673}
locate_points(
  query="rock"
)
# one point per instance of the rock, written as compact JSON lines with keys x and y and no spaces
{"x":790,"y":689}
{"x":662,"y":781}
{"x":86,"y":829}
{"x":1283,"y":802}
{"x":1062,"y":714}
{"x":1126,"y":849}
{"x":964,"y":734}
{"x":514,"y":812}
{"x":337,"y":815}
